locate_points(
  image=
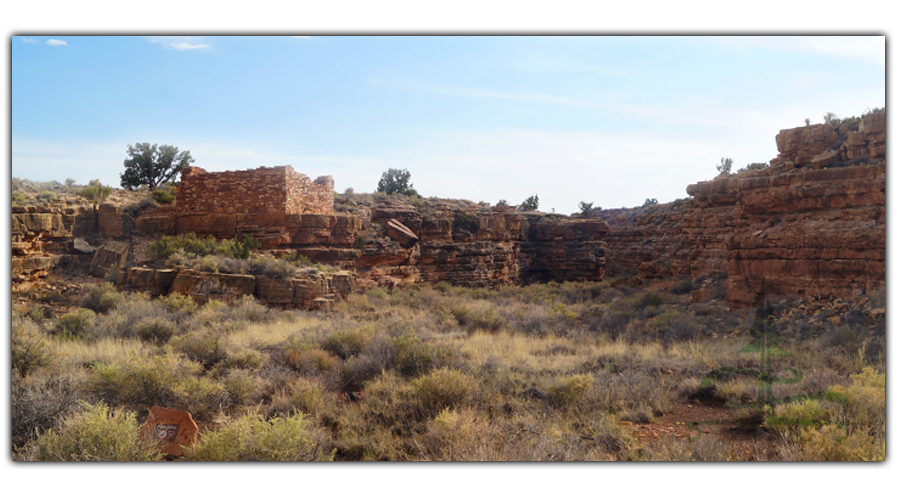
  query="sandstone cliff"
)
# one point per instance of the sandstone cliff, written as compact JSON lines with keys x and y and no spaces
{"x":812,"y":224}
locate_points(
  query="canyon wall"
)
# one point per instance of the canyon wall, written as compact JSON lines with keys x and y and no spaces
{"x":811,"y":224}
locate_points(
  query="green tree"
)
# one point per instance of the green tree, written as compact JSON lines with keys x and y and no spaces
{"x":153,"y":165}
{"x":530,"y":204}
{"x":650,"y":202}
{"x":724,"y":166}
{"x":395,"y":181}
{"x":586,"y":208}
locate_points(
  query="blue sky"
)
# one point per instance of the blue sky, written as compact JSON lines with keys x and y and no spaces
{"x":609,"y":120}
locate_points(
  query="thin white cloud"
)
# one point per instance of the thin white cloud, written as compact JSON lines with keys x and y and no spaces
{"x":28,"y":40}
{"x":861,"y":48}
{"x":57,"y":43}
{"x":187,"y":46}
{"x":480,"y":93}
{"x":180,"y":43}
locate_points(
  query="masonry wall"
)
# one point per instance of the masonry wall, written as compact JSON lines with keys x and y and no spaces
{"x":277,"y":190}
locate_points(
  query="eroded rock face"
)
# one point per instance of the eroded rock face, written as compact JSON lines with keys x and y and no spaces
{"x":43,"y":237}
{"x":812,"y":224}
{"x":314,"y":290}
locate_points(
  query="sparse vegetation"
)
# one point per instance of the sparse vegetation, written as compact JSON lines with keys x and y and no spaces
{"x":530,"y":204}
{"x":724,"y":166}
{"x":540,"y":372}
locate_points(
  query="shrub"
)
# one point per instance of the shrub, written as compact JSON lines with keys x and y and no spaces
{"x":347,"y":342}
{"x":478,"y":318}
{"x":46,"y":196}
{"x":303,"y":395}
{"x":866,"y":399}
{"x":101,"y":298}
{"x":724,"y":166}
{"x":30,"y":345}
{"x":649,"y":202}
{"x":154,"y":329}
{"x":95,"y":193}
{"x":167,"y":380}
{"x":443,"y":388}
{"x":310,"y":360}
{"x":178,"y":303}
{"x":268,"y":265}
{"x":414,"y":357}
{"x":243,"y":358}
{"x":75,"y":324}
{"x":250,"y":438}
{"x":166,"y":195}
{"x":530,"y":204}
{"x":207,"y":347}
{"x":96,"y":434}
{"x":41,"y":398}
{"x":243,"y":386}
{"x":567,"y":391}
{"x":586,"y":208}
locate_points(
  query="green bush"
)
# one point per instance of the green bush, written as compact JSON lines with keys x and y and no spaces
{"x":530,"y":204}
{"x":567,"y":391}
{"x":347,"y":342}
{"x":155,"y":329}
{"x":178,"y":303}
{"x":415,"y":357}
{"x":303,"y":395}
{"x":250,"y":438}
{"x":477,"y":318}
{"x":166,"y":380}
{"x":165,"y":196}
{"x":96,"y":434}
{"x":243,"y":386}
{"x":96,"y":193}
{"x":101,"y":298}
{"x":46,"y":196}
{"x":75,"y":324}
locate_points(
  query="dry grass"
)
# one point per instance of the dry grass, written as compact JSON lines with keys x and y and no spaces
{"x":544,"y":372}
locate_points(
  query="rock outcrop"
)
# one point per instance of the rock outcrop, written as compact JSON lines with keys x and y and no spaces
{"x":312,"y":290}
{"x":43,"y":237}
{"x":812,"y":224}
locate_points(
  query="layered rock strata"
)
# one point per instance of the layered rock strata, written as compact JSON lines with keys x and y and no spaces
{"x":44,"y":237}
{"x":313,"y":290}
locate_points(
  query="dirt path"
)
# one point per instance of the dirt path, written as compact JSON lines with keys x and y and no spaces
{"x":689,"y":421}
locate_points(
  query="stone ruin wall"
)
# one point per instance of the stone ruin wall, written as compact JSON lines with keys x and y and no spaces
{"x":277,"y":190}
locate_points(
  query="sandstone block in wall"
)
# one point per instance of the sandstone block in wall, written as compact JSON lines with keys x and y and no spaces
{"x":109,"y":221}
{"x":205,"y":286}
{"x":159,"y":220}
{"x":825,"y":159}
{"x":400,"y":233}
{"x":111,"y":256}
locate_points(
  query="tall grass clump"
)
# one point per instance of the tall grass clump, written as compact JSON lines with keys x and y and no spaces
{"x":250,"y":438}
{"x":444,"y":388}
{"x":30,"y":345}
{"x":96,"y":434}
